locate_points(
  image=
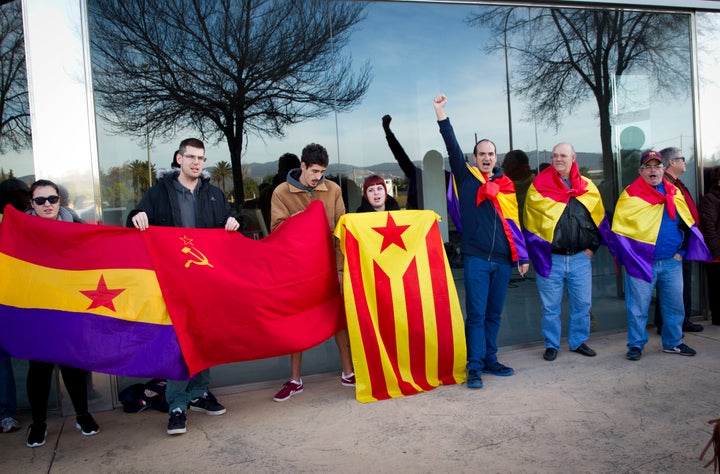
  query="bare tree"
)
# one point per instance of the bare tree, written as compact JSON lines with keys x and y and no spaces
{"x":14,"y":107}
{"x":224,"y":67}
{"x":566,"y":56}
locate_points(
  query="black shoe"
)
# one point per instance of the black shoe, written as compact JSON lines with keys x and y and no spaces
{"x":86,"y":424}
{"x":550,"y":354}
{"x":37,"y":432}
{"x":473,"y":379}
{"x":584,"y":350}
{"x":692,"y":327}
{"x":633,"y":354}
{"x":176,"y":425}
{"x":207,"y":404}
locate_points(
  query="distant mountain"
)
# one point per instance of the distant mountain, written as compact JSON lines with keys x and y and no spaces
{"x":391,"y":170}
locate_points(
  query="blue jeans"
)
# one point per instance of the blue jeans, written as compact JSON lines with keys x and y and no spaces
{"x":486,"y":285}
{"x":8,"y":395}
{"x":575,"y":271}
{"x":178,"y":393}
{"x":667,"y":275}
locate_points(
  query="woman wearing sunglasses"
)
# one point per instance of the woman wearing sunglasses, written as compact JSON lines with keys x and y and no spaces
{"x":45,"y":202}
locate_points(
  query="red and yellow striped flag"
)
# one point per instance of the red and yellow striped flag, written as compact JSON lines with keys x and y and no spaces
{"x":404,"y":318}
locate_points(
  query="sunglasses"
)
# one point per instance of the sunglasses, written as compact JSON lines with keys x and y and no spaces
{"x":41,"y":200}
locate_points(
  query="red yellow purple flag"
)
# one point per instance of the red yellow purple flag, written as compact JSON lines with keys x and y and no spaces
{"x":233,"y":299}
{"x":145,"y":304}
{"x":404,"y":318}
{"x":84,"y":296}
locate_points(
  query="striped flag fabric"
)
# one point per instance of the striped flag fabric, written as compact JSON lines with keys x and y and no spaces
{"x":404,"y":318}
{"x":167,"y":302}
{"x":84,"y":296}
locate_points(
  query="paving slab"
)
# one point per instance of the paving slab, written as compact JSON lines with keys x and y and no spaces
{"x":575,"y":414}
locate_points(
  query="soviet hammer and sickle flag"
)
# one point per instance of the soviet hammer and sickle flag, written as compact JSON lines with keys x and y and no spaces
{"x":404,"y":317}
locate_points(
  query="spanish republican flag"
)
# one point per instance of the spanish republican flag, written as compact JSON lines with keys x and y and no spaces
{"x":545,"y":202}
{"x":167,"y":302}
{"x":636,"y":224}
{"x":84,"y":296}
{"x":404,"y":318}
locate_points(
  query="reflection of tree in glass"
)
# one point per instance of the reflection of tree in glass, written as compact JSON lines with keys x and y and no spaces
{"x":221,"y":173}
{"x":14,"y":107}
{"x":223,"y":67}
{"x":564,"y":55}
{"x":139,"y":171}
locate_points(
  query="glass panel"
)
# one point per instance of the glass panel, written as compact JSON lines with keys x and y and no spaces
{"x":15,"y":137}
{"x":480,"y":56}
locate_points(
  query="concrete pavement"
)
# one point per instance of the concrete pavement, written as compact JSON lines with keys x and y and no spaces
{"x":576,"y":414}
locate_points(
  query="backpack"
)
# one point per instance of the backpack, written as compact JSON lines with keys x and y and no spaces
{"x":139,"y":397}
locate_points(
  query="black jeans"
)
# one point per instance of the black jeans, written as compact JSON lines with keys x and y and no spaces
{"x":39,"y":379}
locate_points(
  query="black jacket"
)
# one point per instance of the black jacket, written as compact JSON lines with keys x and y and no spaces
{"x":390,"y":205}
{"x":575,"y":230}
{"x":161,"y":205}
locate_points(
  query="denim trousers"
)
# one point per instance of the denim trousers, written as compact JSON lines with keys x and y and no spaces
{"x":178,"y":393}
{"x":486,"y":285}
{"x":667,"y":275}
{"x":8,"y":395}
{"x":575,"y":272}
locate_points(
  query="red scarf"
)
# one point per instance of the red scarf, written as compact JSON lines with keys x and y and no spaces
{"x":640,"y":188}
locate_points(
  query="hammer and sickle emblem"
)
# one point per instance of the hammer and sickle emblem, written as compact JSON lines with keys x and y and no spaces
{"x":201,"y":258}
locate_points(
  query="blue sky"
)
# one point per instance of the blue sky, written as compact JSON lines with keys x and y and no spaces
{"x":416,"y":50}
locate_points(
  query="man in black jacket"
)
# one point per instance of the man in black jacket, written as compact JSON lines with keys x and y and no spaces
{"x":184,"y":197}
{"x":567,"y":206}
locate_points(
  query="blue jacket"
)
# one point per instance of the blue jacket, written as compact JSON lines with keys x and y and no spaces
{"x":483,"y":235}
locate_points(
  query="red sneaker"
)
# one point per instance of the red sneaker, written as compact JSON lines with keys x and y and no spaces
{"x":288,"y":390}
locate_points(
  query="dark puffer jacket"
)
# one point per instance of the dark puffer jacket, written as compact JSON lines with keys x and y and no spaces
{"x":161,"y":205}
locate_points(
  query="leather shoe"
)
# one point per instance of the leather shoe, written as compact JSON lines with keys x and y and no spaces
{"x":585,"y":350}
{"x":550,"y":354}
{"x":692,"y":327}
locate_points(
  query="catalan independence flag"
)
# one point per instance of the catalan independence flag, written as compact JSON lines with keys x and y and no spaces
{"x":545,"y":202}
{"x":84,"y":296}
{"x":636,"y":224}
{"x":403,"y":313}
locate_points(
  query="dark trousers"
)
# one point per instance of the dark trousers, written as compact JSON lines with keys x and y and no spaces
{"x":687,"y":291}
{"x":712,"y":270}
{"x":39,"y":379}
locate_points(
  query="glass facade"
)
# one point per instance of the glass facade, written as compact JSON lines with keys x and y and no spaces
{"x":120,"y":87}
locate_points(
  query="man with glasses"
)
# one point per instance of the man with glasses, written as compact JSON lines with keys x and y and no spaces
{"x":184,"y":197}
{"x":654,"y":232}
{"x":674,"y":163}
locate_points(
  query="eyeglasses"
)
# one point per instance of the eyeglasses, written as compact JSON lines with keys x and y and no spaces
{"x":652,"y":167}
{"x":201,"y":159}
{"x":41,"y":200}
{"x":679,"y":158}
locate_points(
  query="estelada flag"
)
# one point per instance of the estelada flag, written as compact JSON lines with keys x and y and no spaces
{"x":84,"y":296}
{"x":403,"y":313}
{"x":234,"y":299}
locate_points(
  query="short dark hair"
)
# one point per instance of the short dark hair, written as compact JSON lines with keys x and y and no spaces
{"x":287,"y":162}
{"x":314,"y":154}
{"x":174,"y":163}
{"x":43,"y":182}
{"x":481,"y":141}
{"x":193,"y":142}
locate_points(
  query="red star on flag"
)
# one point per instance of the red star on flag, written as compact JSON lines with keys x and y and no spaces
{"x":102,"y":296}
{"x":392,"y":234}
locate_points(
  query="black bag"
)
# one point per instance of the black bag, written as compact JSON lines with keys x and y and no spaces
{"x":138,"y":397}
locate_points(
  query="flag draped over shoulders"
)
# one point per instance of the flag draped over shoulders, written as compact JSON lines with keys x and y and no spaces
{"x":546,"y":200}
{"x":83,"y":296}
{"x":636,"y":224}
{"x":501,"y":193}
{"x":166,"y":302}
{"x":403,"y":313}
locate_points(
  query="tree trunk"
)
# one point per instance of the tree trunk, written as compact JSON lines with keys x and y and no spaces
{"x":235,"y":145}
